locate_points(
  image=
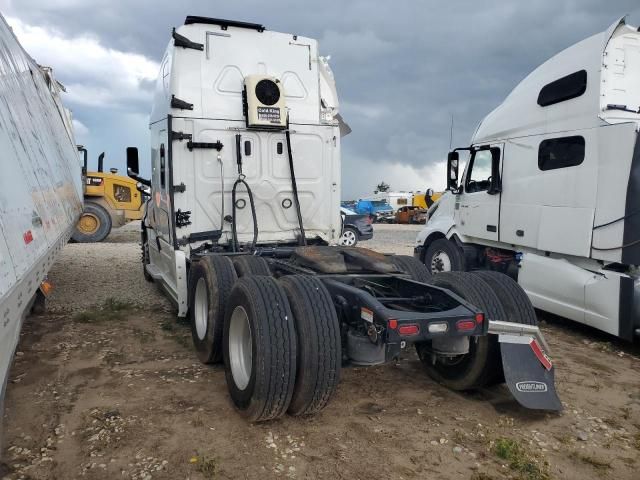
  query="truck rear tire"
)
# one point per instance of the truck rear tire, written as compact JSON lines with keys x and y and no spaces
{"x":251,"y":265}
{"x":417,"y":270}
{"x":259,"y":348}
{"x":94,"y":225}
{"x":443,"y":255}
{"x":517,"y":306}
{"x":319,"y":345}
{"x":146,"y":259}
{"x":515,"y":301}
{"x":210,"y":282}
{"x":476,"y":368}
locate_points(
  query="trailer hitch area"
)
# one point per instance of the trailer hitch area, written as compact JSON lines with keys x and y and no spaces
{"x":528,"y":370}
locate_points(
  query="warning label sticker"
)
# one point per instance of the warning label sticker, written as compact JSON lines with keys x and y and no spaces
{"x":269,"y":114}
{"x":366,"y":315}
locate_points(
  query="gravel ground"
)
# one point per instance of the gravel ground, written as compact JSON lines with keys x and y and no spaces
{"x":399,"y":239}
{"x":106,"y":385}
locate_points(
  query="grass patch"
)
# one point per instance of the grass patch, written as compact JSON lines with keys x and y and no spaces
{"x":179,"y":331}
{"x":595,"y":462}
{"x":143,"y":336}
{"x":459,"y":437}
{"x":520,"y":460}
{"x":208,"y":466}
{"x":111,"y":310}
{"x":564,"y":439}
{"x":168,"y":326}
{"x":481,"y":476}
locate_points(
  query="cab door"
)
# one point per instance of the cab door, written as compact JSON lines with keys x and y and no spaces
{"x":478,"y":204}
{"x":159,"y":213}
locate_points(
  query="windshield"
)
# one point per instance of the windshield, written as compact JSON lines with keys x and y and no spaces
{"x":379,"y":203}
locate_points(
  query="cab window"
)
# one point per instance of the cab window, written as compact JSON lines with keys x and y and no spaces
{"x":479,"y":175}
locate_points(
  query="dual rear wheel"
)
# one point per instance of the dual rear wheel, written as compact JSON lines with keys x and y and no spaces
{"x":499,"y":297}
{"x":280,"y":339}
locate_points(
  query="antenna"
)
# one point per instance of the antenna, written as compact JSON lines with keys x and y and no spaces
{"x":451,"y":133}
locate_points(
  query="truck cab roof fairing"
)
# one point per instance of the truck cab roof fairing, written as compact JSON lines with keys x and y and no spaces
{"x":519,"y":114}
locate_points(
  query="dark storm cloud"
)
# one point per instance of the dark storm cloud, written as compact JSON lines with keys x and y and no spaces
{"x":402,"y":67}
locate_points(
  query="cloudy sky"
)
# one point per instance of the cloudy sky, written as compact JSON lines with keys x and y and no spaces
{"x":403,"y":67}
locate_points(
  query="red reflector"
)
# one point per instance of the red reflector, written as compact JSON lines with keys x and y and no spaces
{"x":27,"y":237}
{"x":393,"y":324}
{"x":465,"y":325}
{"x":544,"y":360}
{"x":409,"y":330}
{"x":479,"y":318}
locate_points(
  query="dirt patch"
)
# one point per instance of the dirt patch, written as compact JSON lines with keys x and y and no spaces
{"x":102,"y":392}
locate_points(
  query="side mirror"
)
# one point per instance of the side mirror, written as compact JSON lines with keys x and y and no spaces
{"x":132,"y":167}
{"x":453,"y":159}
{"x":132,"y":161}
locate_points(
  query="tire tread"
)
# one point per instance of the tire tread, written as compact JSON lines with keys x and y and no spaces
{"x":417,"y":270}
{"x":275,"y":339}
{"x":318,"y":332}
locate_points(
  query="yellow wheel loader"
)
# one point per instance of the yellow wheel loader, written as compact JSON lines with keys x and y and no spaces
{"x":110,"y":200}
{"x":425,"y":200}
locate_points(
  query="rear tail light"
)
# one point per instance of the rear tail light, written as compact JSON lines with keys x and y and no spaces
{"x":409,"y":330}
{"x":369,"y":220}
{"x":479,"y":318}
{"x":465,"y":325}
{"x":393,"y":324}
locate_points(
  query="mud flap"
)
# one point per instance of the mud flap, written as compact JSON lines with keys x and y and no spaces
{"x":528,"y":372}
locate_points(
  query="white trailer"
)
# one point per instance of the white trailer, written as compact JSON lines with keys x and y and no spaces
{"x":551,"y":191}
{"x":40,"y":187}
{"x":241,"y":229}
{"x":396,"y":200}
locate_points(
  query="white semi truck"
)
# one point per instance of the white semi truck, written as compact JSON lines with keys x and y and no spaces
{"x":551,"y":191}
{"x":241,"y":226}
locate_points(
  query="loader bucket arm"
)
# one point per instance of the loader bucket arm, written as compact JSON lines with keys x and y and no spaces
{"x":528,"y":370}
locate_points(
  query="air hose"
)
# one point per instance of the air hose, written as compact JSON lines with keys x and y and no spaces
{"x":294,"y":186}
{"x":241,"y":181}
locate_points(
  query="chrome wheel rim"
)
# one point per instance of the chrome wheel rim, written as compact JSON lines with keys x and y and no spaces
{"x":240,"y":347}
{"x":440,"y":262}
{"x":348,"y":238}
{"x":201,"y":309}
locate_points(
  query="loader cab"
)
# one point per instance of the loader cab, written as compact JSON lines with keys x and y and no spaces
{"x":477,"y":204}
